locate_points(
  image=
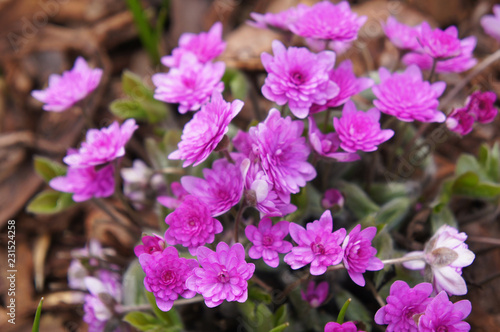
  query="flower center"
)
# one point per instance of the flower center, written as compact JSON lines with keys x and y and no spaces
{"x":297,"y":78}
{"x":168,"y":277}
{"x":267,"y":240}
{"x":442,"y":329}
{"x":223,"y":276}
{"x":318,"y":248}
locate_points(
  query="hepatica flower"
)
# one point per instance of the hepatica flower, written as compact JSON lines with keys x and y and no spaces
{"x":316,"y":245}
{"x":268,"y":241}
{"x":403,"y":304}
{"x":315,"y":294}
{"x":481,"y":105}
{"x":86,"y":183}
{"x":69,"y":88}
{"x":408,"y":97}
{"x":102,"y":146}
{"x":298,"y":77}
{"x":205,"y":46}
{"x":359,"y":255}
{"x":326,"y":145}
{"x":151,"y":244}
{"x":348,"y":84}
{"x":278,"y":146}
{"x":280,"y":21}
{"x":491,"y":23}
{"x":345,"y":327}
{"x":439,"y":44}
{"x":166,"y":275}
{"x":445,"y":254}
{"x":223,"y":274}
{"x":179,"y":194}
{"x":191,"y":84}
{"x":460,"y":121}
{"x":220,"y":190}
{"x":443,"y":315}
{"x":206,"y":129}
{"x":327,"y":21}
{"x":97,"y":313}
{"x":191,"y":225}
{"x":359,"y":130}
{"x":402,"y":35}
{"x":332,"y":197}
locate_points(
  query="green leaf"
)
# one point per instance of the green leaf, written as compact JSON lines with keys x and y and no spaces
{"x":237,"y":83}
{"x":281,"y":315}
{"x":171,"y":318}
{"x":358,"y":311}
{"x":48,"y":169}
{"x":443,"y":217}
{"x":280,"y":328}
{"x":142,"y":321}
{"x":382,"y":193}
{"x":384,"y":244}
{"x":126,"y":109}
{"x":36,"y":322}
{"x":392,"y":213}
{"x":133,"y":285}
{"x":343,"y":310}
{"x":489,"y":161}
{"x":133,"y":86}
{"x":469,"y":163}
{"x":50,"y":201}
{"x":468,"y":184}
{"x":357,"y":201}
{"x":259,"y":295}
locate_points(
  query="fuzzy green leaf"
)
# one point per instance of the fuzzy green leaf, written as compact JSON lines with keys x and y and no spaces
{"x":49,"y":202}
{"x":47,"y":168}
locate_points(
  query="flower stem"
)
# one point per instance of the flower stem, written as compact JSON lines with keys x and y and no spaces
{"x":261,"y":283}
{"x":403,"y":259}
{"x":327,"y":118}
{"x":243,"y":207}
{"x":433,"y":70}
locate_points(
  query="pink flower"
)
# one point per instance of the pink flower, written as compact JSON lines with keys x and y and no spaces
{"x":173,"y":202}
{"x":151,"y":244}
{"x":481,"y":105}
{"x":298,"y":77}
{"x":69,"y":88}
{"x":315,"y":294}
{"x":443,"y":315}
{"x":268,"y":241}
{"x":278,"y":146}
{"x":205,"y":46}
{"x":220,"y":190}
{"x":166,"y":275}
{"x":223,"y":274}
{"x":327,"y":21}
{"x":348,"y":84}
{"x":326,"y":145}
{"x":86,"y":183}
{"x":259,"y":192}
{"x":359,"y":130}
{"x":359,"y":255}
{"x":403,"y":304}
{"x":446,"y":254}
{"x":316,"y":245}
{"x":439,"y":44}
{"x":336,"y":327}
{"x":491,"y":23}
{"x":97,"y":313}
{"x":460,"y":63}
{"x":140,"y":183}
{"x":102,"y":145}
{"x":406,"y":96}
{"x":191,"y":225}
{"x":332,"y":198}
{"x":190,"y":84}
{"x":281,"y":20}
{"x":460,"y":121}
{"x":402,"y":35}
{"x":206,"y":129}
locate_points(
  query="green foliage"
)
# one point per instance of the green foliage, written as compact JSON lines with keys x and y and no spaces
{"x":141,"y":104}
{"x":258,"y":317}
{"x":36,"y":322}
{"x":48,"y":169}
{"x":237,"y":83}
{"x":145,"y":322}
{"x":357,"y":201}
{"x":170,"y":320}
{"x":49,"y":202}
{"x":357,"y":311}
{"x":343,"y":310}
{"x":133,"y":285}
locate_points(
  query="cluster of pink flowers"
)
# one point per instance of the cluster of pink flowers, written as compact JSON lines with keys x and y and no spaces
{"x":479,"y":107}
{"x":192,"y":77}
{"x":101,"y":148}
{"x":411,"y":309}
{"x":321,"y":247}
{"x":428,"y":45}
